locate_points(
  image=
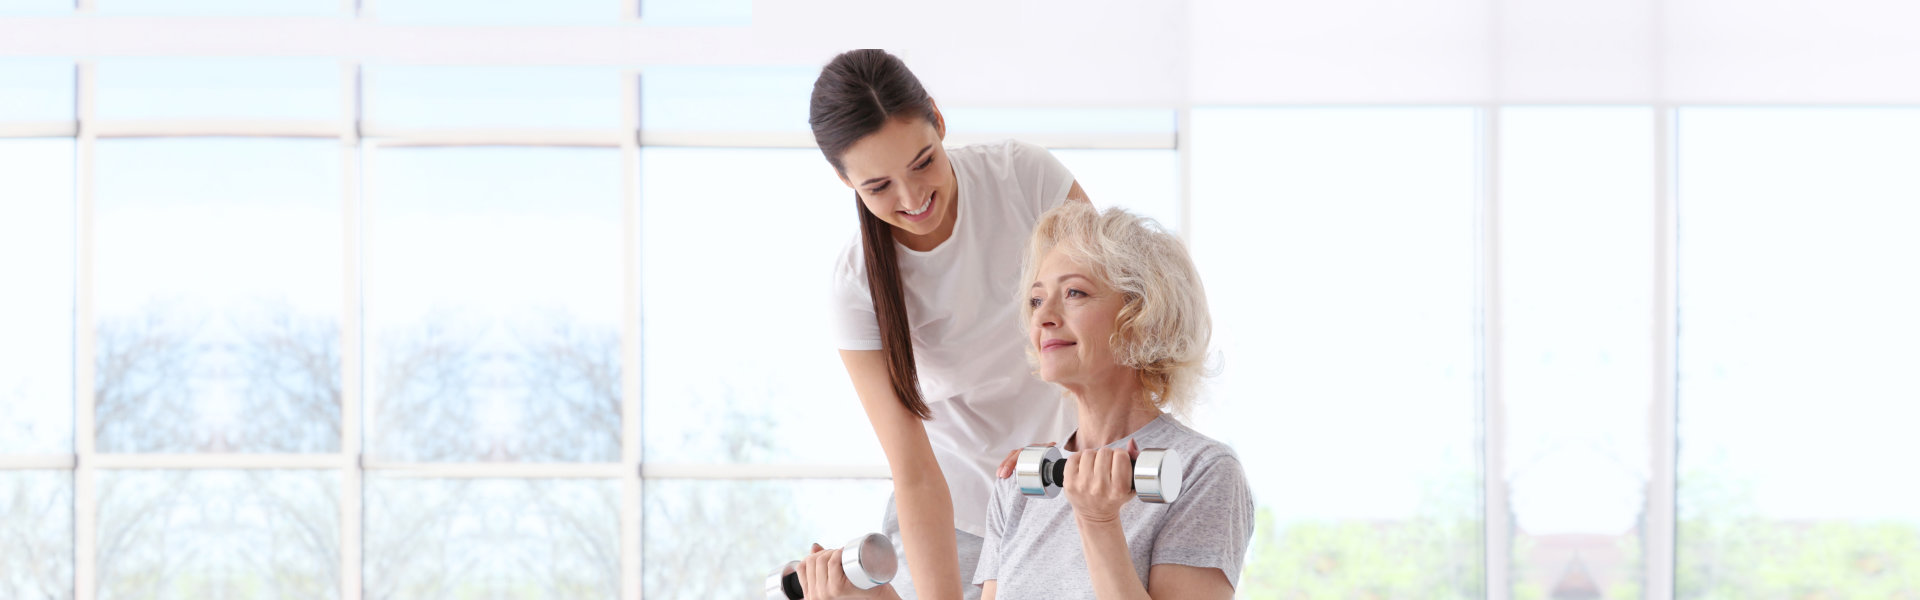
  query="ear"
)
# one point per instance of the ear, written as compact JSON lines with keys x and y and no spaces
{"x":939,"y":120}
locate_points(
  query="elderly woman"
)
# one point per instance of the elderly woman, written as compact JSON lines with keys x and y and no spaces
{"x":1116,"y":317}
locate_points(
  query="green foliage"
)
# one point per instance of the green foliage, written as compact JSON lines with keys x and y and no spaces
{"x":1725,"y":550}
{"x":1749,"y":557}
{"x":1346,"y":560}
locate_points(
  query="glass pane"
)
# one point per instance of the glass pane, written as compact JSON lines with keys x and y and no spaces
{"x":217,"y":295}
{"x":1576,"y":248}
{"x":36,"y":312}
{"x":1146,"y":182}
{"x":763,"y":524}
{"x":220,"y":8}
{"x":1337,"y":247}
{"x":219,"y":88}
{"x":36,"y":523}
{"x":737,"y":347}
{"x":219,"y":534}
{"x":495,"y":280}
{"x":36,"y":89}
{"x":1799,"y":273}
{"x":492,"y":538}
{"x":411,"y":97}
{"x":697,"y":13}
{"x":756,"y":99}
{"x":498,"y":12}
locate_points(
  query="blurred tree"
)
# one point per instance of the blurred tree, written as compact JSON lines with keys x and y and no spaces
{"x":541,"y":389}
{"x":36,"y":531}
{"x":174,"y":378}
{"x":453,"y":389}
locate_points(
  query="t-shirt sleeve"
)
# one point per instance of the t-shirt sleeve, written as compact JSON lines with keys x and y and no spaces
{"x":997,"y":516}
{"x":1212,"y":522}
{"x":1044,"y":178}
{"x":854,"y":325}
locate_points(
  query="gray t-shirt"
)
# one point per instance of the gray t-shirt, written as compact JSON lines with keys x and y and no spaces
{"x":1033,"y":547}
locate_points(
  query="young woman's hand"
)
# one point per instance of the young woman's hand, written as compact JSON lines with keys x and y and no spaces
{"x":1013,"y":458}
{"x":1099,"y":482}
{"x":822,"y":577}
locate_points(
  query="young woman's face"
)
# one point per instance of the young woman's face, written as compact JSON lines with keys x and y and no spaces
{"x":902,"y":175}
{"x":1072,"y":323}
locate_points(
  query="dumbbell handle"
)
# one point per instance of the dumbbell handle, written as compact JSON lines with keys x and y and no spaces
{"x":1054,"y":472}
{"x":791,"y":585}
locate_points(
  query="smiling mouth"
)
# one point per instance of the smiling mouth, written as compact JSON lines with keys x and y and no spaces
{"x":1051,"y":344}
{"x":924,"y":207}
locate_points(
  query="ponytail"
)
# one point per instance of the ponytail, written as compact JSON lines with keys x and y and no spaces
{"x":890,"y":308}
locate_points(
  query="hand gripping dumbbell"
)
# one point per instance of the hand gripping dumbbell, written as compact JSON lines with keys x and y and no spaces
{"x":868,"y":560}
{"x":1156,"y":474}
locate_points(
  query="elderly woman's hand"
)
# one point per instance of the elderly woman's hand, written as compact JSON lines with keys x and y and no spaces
{"x":1099,"y":482}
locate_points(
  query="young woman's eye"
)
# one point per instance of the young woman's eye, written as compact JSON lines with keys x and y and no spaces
{"x":881,"y":188}
{"x":923,"y":164}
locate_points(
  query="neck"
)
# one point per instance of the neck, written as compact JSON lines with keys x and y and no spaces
{"x":1110,"y":411}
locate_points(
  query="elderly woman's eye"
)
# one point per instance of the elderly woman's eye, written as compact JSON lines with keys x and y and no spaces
{"x":1034,"y":302}
{"x":1072,"y":292}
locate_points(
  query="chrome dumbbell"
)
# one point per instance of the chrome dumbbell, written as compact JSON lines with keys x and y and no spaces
{"x":1156,"y":473}
{"x":868,"y":560}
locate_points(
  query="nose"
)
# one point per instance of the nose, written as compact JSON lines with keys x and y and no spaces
{"x":1044,"y":316}
{"x":911,"y":198}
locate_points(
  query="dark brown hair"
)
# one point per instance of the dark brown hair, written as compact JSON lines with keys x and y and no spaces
{"x":853,"y":98}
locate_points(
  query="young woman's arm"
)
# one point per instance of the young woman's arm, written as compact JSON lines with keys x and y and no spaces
{"x":919,"y":488}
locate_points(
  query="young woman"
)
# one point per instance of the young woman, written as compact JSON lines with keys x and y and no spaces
{"x":921,"y":310}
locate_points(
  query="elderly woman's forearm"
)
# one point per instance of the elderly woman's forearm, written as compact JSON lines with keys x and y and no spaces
{"x":1109,"y":562}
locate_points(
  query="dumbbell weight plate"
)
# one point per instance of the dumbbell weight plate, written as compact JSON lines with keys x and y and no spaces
{"x":1157,"y":475}
{"x":1027,"y":471}
{"x":869,"y":562}
{"x":784,"y":584}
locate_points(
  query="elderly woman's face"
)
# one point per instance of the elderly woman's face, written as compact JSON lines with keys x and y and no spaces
{"x":1072,"y":323}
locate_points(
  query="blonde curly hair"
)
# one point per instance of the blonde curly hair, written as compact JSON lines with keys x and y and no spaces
{"x":1163,"y":328}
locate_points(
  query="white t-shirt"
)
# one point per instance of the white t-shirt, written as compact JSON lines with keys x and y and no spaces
{"x":968,"y":342}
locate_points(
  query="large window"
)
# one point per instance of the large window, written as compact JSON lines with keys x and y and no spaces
{"x":295,"y":327}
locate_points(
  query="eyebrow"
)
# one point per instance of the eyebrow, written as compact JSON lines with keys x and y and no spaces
{"x":1060,"y":279}
{"x":916,"y":158}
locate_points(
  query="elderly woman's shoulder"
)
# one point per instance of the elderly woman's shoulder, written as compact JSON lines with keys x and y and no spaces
{"x":1201,"y":450}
